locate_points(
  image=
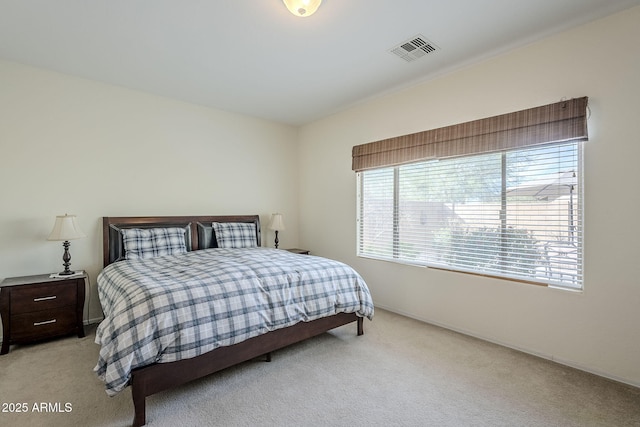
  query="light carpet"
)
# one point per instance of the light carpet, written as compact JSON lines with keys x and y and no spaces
{"x":402,"y":372}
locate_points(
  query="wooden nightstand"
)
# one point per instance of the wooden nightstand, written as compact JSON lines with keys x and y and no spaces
{"x":299,"y":251}
{"x":39,"y":307}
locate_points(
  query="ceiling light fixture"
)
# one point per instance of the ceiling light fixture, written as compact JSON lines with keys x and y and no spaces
{"x":302,"y":8}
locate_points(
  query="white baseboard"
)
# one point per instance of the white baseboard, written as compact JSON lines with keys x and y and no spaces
{"x":92,"y":321}
{"x":550,"y":357}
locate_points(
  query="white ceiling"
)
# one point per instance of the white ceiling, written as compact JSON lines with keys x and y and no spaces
{"x":253,"y":57}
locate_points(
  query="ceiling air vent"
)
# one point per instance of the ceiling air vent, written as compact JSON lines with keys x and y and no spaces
{"x":414,"y":48}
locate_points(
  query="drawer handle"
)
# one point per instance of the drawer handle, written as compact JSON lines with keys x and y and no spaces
{"x":46,"y":322}
{"x":44,"y":298}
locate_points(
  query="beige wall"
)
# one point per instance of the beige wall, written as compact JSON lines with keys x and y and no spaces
{"x":74,"y":146}
{"x":71,"y":145}
{"x":596,"y":330}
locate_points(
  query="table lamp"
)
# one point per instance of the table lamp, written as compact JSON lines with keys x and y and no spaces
{"x":276,"y":225}
{"x":66,"y":228}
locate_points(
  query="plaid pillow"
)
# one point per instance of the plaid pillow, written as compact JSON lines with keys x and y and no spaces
{"x":235,"y":234}
{"x":142,"y":243}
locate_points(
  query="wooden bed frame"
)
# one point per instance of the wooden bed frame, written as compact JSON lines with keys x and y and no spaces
{"x":154,"y":378}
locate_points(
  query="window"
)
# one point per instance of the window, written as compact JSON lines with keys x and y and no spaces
{"x":514,"y":212}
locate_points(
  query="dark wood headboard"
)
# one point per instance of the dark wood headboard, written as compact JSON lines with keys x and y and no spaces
{"x":199,"y":230}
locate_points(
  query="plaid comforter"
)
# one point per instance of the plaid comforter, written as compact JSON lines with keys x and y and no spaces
{"x":180,"y":306}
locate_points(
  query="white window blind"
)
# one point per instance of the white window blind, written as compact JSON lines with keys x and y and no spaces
{"x":513,"y":213}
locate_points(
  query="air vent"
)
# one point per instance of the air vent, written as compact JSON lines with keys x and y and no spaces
{"x":414,"y":48}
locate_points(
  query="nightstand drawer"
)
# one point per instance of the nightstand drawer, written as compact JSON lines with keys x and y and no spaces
{"x":47,"y":296}
{"x":43,"y":324}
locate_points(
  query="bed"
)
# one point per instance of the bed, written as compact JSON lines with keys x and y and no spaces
{"x":170,"y":318}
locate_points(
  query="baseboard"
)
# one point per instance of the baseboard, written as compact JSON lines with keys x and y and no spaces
{"x":92,"y":321}
{"x":550,"y":357}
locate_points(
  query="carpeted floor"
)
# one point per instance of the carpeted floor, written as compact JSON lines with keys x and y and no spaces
{"x":401,"y":372}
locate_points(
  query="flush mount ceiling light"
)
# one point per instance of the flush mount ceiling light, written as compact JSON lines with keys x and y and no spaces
{"x":302,"y":8}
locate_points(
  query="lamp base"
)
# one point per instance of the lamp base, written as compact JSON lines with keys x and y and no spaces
{"x":66,"y":258}
{"x":66,"y":273}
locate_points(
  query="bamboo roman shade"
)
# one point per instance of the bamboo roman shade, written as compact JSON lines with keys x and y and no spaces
{"x":561,"y":121}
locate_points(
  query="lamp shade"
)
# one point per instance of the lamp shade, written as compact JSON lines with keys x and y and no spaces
{"x":66,"y":228}
{"x":302,"y":8}
{"x":276,"y":222}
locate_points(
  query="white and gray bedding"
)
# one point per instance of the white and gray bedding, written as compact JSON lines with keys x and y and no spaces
{"x":180,"y":306}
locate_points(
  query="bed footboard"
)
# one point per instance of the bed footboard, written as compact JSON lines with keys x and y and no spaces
{"x":162,"y":376}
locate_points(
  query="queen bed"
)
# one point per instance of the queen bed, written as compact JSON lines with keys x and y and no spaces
{"x":187,"y":296}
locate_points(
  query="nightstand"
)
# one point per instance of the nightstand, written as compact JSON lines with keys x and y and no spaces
{"x":39,"y":307}
{"x":299,"y":251}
